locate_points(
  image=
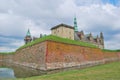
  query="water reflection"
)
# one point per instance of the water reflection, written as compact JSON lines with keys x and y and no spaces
{"x":6,"y":73}
{"x":11,"y":71}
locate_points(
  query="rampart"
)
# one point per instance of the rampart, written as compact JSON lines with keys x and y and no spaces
{"x":50,"y":55}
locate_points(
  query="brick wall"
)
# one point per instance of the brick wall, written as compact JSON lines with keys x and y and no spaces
{"x":60,"y":55}
{"x":54,"y":55}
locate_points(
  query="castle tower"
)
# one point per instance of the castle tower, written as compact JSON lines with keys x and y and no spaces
{"x":90,"y":37}
{"x":28,"y":37}
{"x":102,"y":39}
{"x":82,"y":35}
{"x":97,"y":39}
{"x":75,"y":25}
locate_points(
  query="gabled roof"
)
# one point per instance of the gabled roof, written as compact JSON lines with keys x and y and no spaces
{"x":65,"y":25}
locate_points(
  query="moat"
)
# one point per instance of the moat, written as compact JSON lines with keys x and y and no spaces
{"x":17,"y":71}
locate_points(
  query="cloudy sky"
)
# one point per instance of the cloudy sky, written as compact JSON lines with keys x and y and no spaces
{"x":95,"y":16}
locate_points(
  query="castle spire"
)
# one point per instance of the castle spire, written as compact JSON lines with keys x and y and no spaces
{"x":28,"y":33}
{"x":75,"y":25}
{"x":102,"y":39}
{"x":28,"y":38}
{"x":101,"y":35}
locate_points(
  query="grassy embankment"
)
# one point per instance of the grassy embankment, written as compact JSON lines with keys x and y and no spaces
{"x":103,"y":72}
{"x":59,"y":39}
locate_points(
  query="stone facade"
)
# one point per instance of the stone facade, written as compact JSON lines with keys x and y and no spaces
{"x":64,"y":31}
{"x":96,"y":40}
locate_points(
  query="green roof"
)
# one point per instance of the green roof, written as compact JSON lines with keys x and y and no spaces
{"x":75,"y":25}
{"x":28,"y":33}
{"x":58,"y":39}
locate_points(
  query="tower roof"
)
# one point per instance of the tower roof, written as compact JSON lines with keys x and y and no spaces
{"x":28,"y":33}
{"x":75,"y":25}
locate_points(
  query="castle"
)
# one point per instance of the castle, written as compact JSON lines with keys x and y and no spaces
{"x":52,"y":53}
{"x":70,"y":32}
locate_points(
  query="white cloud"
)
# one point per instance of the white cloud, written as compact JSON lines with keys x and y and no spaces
{"x":102,"y":15}
{"x":17,"y":43}
{"x":88,"y":2}
{"x":6,"y":49}
{"x":113,"y":43}
{"x":11,"y":24}
{"x":16,"y":16}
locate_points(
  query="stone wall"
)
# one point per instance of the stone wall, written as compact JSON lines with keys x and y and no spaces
{"x":49,"y":55}
{"x":63,"y":31}
{"x":1,"y":57}
{"x":33,"y":56}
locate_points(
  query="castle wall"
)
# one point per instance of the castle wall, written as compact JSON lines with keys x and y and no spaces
{"x":6,"y":58}
{"x":49,"y":55}
{"x":62,"y":55}
{"x":33,"y":56}
{"x":1,"y":59}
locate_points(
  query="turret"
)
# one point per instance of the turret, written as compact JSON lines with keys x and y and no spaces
{"x":90,"y":37}
{"x":101,"y":39}
{"x":28,"y":37}
{"x":75,"y":25}
{"x":82,"y":35}
{"x":97,"y":39}
{"x":101,"y":35}
{"x":82,"y":32}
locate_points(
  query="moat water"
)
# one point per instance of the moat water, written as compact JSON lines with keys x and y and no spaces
{"x":17,"y":71}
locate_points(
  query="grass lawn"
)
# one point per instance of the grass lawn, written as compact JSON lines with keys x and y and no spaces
{"x":103,"y":72}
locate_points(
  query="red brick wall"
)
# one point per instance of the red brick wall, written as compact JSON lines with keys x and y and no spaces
{"x":118,"y":54}
{"x":61,"y":55}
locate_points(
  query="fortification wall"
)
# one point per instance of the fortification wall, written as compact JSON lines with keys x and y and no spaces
{"x":62,"y":55}
{"x":51,"y":55}
{"x":6,"y":58}
{"x":1,"y":58}
{"x":32,"y":56}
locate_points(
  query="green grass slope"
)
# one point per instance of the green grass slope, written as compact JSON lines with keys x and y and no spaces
{"x":103,"y":72}
{"x":58,"y":39}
